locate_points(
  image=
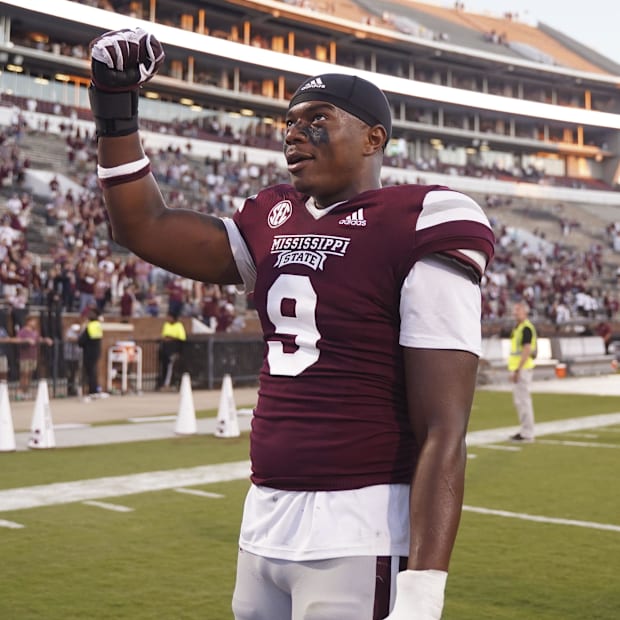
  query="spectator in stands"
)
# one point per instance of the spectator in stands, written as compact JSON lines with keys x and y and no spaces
{"x":38,"y":277}
{"x":29,"y":338}
{"x":5,"y":339}
{"x":173,"y":337}
{"x":225,"y":317}
{"x":8,"y":234}
{"x":605,"y":331}
{"x":210,"y":304}
{"x":521,"y":362}
{"x":102,"y":290}
{"x":19,"y":307}
{"x":86,"y":279}
{"x":128,"y":301}
{"x":142,"y":272}
{"x":14,"y":204}
{"x":152,"y":302}
{"x":73,"y":360}
{"x":64,"y":286}
{"x":176,"y":296}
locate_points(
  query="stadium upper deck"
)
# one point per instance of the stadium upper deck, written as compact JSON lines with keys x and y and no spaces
{"x":464,"y":89}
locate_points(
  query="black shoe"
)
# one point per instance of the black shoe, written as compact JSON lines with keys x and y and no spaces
{"x":520,"y":437}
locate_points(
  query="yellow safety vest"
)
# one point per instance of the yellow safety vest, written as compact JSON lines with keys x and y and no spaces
{"x":516,"y":347}
{"x":94,"y":330}
{"x":173,"y":330}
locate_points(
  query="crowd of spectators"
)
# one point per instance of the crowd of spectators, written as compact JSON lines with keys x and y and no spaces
{"x":81,"y":267}
{"x":565,"y":287}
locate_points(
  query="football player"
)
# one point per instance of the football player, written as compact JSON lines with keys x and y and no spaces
{"x":369,"y":303}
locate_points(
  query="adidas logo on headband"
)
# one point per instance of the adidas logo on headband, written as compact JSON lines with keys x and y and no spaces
{"x":313,"y":83}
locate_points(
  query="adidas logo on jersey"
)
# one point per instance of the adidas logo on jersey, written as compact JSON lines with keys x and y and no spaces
{"x":354,"y":219}
{"x":314,"y":83}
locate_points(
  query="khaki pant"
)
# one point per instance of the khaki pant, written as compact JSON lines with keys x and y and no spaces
{"x":523,"y":402}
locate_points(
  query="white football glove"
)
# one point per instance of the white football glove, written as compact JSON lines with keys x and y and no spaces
{"x":121,"y":61}
{"x":419,"y":595}
{"x":125,"y":59}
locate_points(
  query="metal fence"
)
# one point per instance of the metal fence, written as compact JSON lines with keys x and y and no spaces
{"x":206,"y":358}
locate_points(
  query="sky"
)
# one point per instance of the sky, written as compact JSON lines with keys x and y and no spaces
{"x":592,"y":22}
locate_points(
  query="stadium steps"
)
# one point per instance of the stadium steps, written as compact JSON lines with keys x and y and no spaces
{"x":37,"y":241}
{"x":345,"y":9}
{"x":43,"y":152}
{"x":37,"y":244}
{"x":587,"y":53}
{"x":465,"y":23}
{"x":437,"y":22}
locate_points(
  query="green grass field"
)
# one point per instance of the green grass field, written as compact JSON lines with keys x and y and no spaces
{"x":173,"y":555}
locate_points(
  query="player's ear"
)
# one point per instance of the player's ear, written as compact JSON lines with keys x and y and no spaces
{"x":376,"y":139}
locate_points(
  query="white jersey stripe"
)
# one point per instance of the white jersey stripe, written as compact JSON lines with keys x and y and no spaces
{"x":443,"y":206}
{"x":444,"y":196}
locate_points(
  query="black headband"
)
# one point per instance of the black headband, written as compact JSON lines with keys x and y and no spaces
{"x":350,"y":93}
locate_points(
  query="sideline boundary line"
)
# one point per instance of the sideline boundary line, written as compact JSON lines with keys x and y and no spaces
{"x":117,"y":486}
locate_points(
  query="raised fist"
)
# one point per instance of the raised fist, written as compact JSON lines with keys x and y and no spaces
{"x":125,"y":59}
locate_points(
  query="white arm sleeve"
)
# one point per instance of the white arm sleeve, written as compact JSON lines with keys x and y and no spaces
{"x":241,"y":254}
{"x":440,"y":308}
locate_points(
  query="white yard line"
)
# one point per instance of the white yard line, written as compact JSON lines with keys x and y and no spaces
{"x":11,"y":525}
{"x":496,"y":435}
{"x":540,"y":519}
{"x":107,"y":506}
{"x":493,"y":446}
{"x":579,"y":444}
{"x":117,"y":486}
{"x":200,"y":493}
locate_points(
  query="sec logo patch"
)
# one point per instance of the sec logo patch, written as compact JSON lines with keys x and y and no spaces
{"x":280,"y":213}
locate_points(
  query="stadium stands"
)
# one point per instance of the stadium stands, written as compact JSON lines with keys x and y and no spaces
{"x":213,"y":125}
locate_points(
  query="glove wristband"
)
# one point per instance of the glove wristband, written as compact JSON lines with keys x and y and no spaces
{"x":419,"y":594}
{"x":115,"y":113}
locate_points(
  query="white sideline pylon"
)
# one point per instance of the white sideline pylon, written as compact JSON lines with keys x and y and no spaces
{"x":42,"y":427}
{"x":7,"y":432}
{"x":227,"y":422}
{"x":186,"y":416}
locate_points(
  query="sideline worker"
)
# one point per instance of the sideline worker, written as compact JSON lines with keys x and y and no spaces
{"x":521,"y":363}
{"x":172,"y":338}
{"x":90,"y":341}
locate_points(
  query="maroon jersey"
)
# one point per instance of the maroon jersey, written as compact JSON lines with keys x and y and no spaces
{"x":331,"y":411}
